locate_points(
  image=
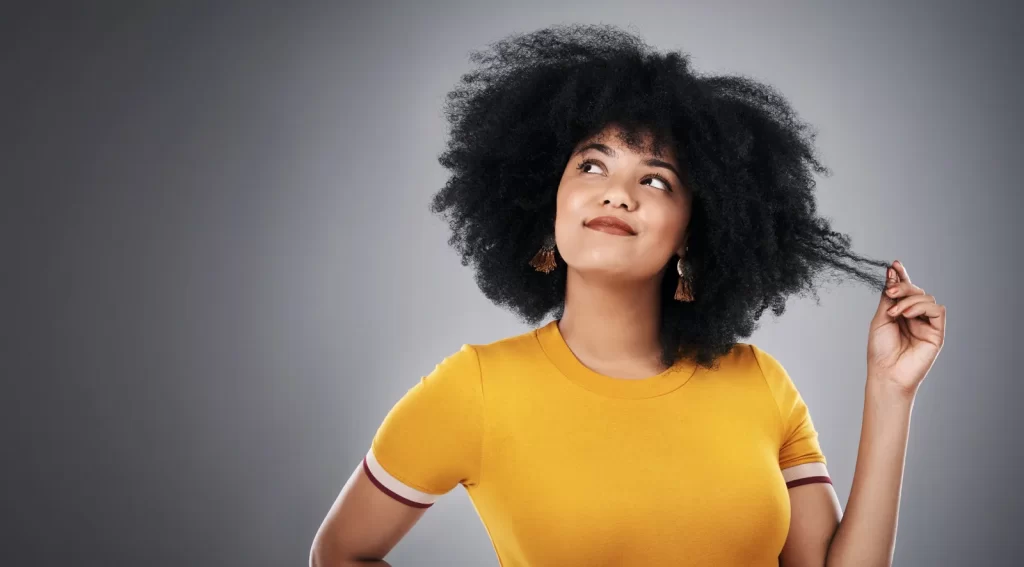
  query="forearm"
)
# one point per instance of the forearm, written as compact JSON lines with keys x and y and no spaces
{"x":866,"y":536}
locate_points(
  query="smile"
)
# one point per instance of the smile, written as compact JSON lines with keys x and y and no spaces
{"x":609,"y":230}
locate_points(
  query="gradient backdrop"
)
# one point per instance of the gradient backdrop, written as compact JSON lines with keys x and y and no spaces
{"x":219,"y":270}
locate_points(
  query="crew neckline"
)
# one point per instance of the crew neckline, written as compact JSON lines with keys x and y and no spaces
{"x":554,"y":346}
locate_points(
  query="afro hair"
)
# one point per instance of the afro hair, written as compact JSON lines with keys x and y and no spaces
{"x":754,"y":235}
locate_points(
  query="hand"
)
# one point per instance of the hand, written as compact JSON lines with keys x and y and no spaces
{"x":906,"y":333}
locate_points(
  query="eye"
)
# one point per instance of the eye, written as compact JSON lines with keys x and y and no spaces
{"x":585,"y":163}
{"x":653,"y":177}
{"x":660,"y":179}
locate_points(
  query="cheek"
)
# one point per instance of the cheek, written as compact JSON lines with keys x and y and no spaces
{"x":670,"y":227}
{"x":571,"y":203}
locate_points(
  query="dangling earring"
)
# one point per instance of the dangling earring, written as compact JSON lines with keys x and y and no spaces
{"x":544,"y":260}
{"x":684,"y":290}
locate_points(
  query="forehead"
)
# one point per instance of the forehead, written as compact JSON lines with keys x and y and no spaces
{"x":638,"y":140}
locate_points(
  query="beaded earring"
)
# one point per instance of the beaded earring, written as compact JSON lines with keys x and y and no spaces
{"x":544,"y":260}
{"x":684,"y":290}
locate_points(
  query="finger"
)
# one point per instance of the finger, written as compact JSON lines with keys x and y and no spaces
{"x":902,"y":289}
{"x":884,"y":301}
{"x":891,"y":276}
{"x":902,"y":271}
{"x":907,"y":302}
{"x":940,"y":321}
{"x":924,"y":309}
{"x":932,"y":317}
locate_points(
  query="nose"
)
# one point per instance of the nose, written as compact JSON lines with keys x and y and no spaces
{"x":618,"y":194}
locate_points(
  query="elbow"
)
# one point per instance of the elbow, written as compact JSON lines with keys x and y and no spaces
{"x":317,"y":557}
{"x":323,"y":553}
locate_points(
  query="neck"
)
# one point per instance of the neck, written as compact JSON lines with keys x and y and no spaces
{"x":612,"y":321}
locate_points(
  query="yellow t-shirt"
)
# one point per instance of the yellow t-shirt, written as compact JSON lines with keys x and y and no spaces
{"x":566,"y":466}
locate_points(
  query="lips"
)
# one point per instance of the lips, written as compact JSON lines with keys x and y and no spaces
{"x":611,"y":225}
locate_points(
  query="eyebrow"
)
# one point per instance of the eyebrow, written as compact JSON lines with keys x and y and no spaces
{"x":653,"y":162}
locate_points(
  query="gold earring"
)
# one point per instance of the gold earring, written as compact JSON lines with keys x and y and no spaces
{"x":684,"y":290}
{"x":544,"y":260}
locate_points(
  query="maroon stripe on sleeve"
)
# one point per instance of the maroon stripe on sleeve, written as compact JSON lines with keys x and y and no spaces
{"x":808,"y":480}
{"x":385,"y":490}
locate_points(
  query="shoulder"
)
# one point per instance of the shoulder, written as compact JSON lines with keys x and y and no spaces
{"x":509,"y":348}
{"x":744,"y":358}
{"x":748,"y":359}
{"x":463,"y":361}
{"x":754,"y":357}
{"x":768,"y":366}
{"x":464,"y":367}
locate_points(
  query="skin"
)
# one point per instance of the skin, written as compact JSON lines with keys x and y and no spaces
{"x":610,"y":323}
{"x":362,"y":525}
{"x":612,"y":302}
{"x":905,"y":336}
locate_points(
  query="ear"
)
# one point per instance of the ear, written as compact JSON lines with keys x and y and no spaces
{"x":681,"y":251}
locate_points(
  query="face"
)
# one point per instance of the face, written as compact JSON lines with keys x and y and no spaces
{"x":604,"y":177}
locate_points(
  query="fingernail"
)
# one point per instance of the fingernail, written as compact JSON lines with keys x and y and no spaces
{"x":891,"y":274}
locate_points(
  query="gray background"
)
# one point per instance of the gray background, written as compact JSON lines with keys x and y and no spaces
{"x":219,"y":270}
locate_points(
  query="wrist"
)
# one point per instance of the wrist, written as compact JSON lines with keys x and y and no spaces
{"x":890,"y":389}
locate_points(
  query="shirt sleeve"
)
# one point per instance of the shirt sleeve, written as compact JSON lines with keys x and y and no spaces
{"x":430,"y":440}
{"x":799,"y":439}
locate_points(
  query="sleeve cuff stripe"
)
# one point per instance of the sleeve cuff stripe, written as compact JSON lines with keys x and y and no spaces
{"x":808,"y":480}
{"x":394,"y":487}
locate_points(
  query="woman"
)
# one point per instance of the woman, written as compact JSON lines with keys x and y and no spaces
{"x":657,"y":213}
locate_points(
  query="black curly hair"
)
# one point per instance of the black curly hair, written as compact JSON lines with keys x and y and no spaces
{"x":754,"y":235}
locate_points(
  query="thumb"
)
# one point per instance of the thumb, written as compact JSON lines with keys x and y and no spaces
{"x":884,"y":301}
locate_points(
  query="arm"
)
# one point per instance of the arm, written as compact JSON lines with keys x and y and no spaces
{"x":814,"y":508}
{"x":904,"y":339}
{"x":428,"y":443}
{"x":819,"y":533}
{"x":815,"y":515}
{"x":867,"y":535}
{"x":362,"y":526}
